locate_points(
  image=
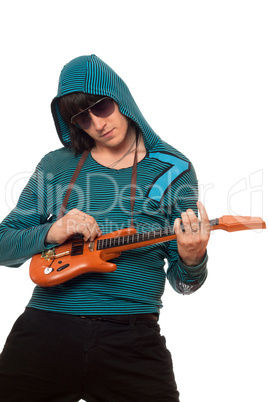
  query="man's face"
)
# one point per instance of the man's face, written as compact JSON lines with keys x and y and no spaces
{"x":108,"y":131}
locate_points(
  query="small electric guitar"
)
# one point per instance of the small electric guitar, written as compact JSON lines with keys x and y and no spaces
{"x":75,"y":257}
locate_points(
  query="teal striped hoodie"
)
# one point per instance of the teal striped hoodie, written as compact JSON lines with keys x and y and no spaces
{"x":166,"y":186}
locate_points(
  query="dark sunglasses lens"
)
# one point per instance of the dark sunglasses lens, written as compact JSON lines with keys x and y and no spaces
{"x":103,"y":108}
{"x":83,"y":120}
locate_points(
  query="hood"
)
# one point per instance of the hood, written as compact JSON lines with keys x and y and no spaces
{"x":89,"y":74}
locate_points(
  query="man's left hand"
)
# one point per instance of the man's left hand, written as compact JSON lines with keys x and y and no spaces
{"x":193,"y":241}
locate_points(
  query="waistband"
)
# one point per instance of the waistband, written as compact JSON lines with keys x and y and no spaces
{"x":124,"y":319}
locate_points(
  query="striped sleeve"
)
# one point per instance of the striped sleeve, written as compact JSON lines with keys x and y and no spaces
{"x":23,"y":231}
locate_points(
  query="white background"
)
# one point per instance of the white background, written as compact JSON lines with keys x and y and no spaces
{"x":198,"y":71}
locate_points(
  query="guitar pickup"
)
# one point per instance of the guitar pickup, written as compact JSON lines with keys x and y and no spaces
{"x":63,"y":267}
{"x":77,"y":248}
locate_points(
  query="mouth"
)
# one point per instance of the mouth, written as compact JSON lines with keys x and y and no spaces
{"x":107,"y":134}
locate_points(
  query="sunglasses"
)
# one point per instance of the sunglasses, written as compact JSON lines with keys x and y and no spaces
{"x":102,"y":108}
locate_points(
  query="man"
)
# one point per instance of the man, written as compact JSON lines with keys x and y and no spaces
{"x":96,"y":336}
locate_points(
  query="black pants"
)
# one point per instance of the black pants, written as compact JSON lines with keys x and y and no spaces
{"x":51,"y":357}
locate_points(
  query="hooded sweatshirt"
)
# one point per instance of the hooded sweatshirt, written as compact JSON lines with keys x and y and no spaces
{"x":166,"y":186}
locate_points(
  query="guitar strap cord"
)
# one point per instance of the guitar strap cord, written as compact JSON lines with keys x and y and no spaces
{"x":78,"y":169}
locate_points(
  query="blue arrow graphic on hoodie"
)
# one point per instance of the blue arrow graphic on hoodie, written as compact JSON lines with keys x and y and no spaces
{"x":168,"y":176}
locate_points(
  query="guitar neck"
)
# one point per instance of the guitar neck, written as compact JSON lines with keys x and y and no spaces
{"x":143,"y":239}
{"x":228,"y":223}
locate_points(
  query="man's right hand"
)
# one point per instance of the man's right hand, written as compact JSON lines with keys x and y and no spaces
{"x":72,"y":223}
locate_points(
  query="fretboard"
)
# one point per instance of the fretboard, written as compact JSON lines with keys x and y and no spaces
{"x":162,"y":235}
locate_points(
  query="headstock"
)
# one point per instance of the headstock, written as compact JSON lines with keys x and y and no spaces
{"x":233,"y":223}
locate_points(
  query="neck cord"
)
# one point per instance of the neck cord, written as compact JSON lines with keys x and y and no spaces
{"x":127,"y":153}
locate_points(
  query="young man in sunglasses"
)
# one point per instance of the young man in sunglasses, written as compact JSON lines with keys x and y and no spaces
{"x":96,"y":336}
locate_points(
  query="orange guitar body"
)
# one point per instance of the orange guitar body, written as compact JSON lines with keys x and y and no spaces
{"x":64,"y":266}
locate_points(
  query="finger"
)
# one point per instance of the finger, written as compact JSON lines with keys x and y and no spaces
{"x":74,"y":227}
{"x":186,"y":222}
{"x":177,"y":226}
{"x":94,"y":231}
{"x":193,"y":219}
{"x":91,"y":225}
{"x":205,"y":225}
{"x":94,"y":227}
{"x":85,"y":225}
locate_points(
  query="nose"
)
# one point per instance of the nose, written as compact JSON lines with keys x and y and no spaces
{"x":98,"y":122}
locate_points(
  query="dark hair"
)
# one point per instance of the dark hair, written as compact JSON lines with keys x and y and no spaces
{"x":70,"y":105}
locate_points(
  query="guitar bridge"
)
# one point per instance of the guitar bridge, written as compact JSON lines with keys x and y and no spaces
{"x":48,"y":254}
{"x":51,"y":254}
